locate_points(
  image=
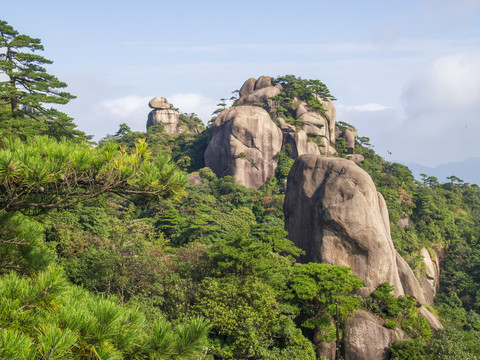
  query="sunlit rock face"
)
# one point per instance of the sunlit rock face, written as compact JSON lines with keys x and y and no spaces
{"x":231,"y":151}
{"x":163,"y":115}
{"x":334,"y":212}
{"x":366,"y":337}
{"x":244,"y":143}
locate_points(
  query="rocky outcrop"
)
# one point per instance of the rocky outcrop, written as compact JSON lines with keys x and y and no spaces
{"x":349,"y":135}
{"x":260,"y":96}
{"x":431,"y":319}
{"x":335,"y":214}
{"x":244,"y":143}
{"x":316,"y":134}
{"x":367,"y":338}
{"x":163,"y":115}
{"x":430,"y":279}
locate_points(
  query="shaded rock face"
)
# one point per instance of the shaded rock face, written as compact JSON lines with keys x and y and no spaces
{"x":334,"y":212}
{"x":367,"y":338}
{"x":244,"y":143}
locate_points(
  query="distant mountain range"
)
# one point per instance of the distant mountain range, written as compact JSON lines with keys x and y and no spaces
{"x":468,"y":170}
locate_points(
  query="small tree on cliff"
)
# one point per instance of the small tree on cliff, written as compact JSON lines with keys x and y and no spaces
{"x":27,"y":89}
{"x":325,"y":292}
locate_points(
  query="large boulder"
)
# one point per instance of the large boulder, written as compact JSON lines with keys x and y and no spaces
{"x":163,"y":114}
{"x":168,"y":118}
{"x":335,"y":214}
{"x":159,"y":103}
{"x":350,"y":135}
{"x":244,"y":143}
{"x":261,"y":97}
{"x":367,"y":338}
{"x":247,"y":88}
{"x":309,"y":133}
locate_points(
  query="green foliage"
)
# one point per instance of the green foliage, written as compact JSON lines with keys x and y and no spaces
{"x":312,"y":92}
{"x":45,"y":317}
{"x":246,"y":316}
{"x":284,"y":163}
{"x":21,"y":245}
{"x":42,"y":173}
{"x":325,"y":294}
{"x":408,"y":349}
{"x":27,"y":88}
{"x":400,"y":309}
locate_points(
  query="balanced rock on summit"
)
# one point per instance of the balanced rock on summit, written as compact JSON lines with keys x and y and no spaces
{"x":163,"y":115}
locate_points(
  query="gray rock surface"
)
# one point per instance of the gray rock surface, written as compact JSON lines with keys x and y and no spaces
{"x":334,"y":212}
{"x":261,"y":96}
{"x":430,"y":279}
{"x":247,"y":88}
{"x":244,"y":143}
{"x":367,"y":339}
{"x":431,"y":319}
{"x":410,"y":283}
{"x":331,"y":116}
{"x":168,"y":118}
{"x":263,"y":82}
{"x":299,"y":143}
{"x":159,"y":103}
{"x":356,"y":158}
{"x":350,"y":134}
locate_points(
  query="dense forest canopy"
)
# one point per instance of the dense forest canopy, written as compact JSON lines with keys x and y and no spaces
{"x":107,"y":252}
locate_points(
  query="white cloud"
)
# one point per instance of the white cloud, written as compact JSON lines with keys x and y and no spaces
{"x":364,"y":108}
{"x":447,"y":84}
{"x":436,"y":119}
{"x":194,"y":103}
{"x":126,"y":106}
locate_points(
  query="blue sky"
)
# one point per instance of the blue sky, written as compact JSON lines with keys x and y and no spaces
{"x":405,"y":73}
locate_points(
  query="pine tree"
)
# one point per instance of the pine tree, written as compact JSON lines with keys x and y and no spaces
{"x":28,"y":88}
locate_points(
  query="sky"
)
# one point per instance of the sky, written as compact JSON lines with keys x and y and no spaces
{"x":405,"y":73}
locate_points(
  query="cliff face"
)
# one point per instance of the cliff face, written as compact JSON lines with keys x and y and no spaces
{"x":234,"y":135}
{"x":335,"y":214}
{"x":244,"y":143}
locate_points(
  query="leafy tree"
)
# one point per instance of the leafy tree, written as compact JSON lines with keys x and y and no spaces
{"x":325,"y":292}
{"x":42,"y":174}
{"x":310,"y":91}
{"x":28,"y":87}
{"x":43,"y":317}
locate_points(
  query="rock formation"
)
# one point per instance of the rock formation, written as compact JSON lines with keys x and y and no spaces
{"x":244,"y":143}
{"x":334,"y":212}
{"x":349,"y":135}
{"x":316,"y":134}
{"x":430,"y":279}
{"x":367,"y":338}
{"x":163,"y":114}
